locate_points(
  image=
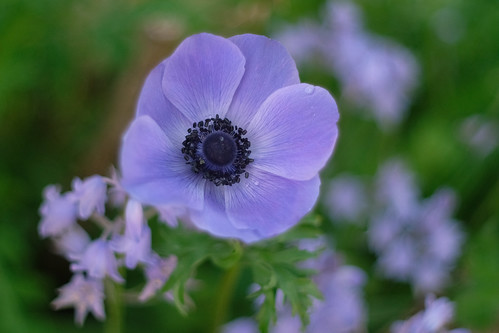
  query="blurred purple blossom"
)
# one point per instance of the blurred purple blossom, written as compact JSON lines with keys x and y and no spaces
{"x":90,"y":194}
{"x":158,"y":270}
{"x":135,"y":249}
{"x":98,"y":261}
{"x":416,"y":240}
{"x":217,"y":95}
{"x":73,"y":242}
{"x":376,"y":74}
{"x":84,"y":294}
{"x":396,"y":187}
{"x":58,"y":212}
{"x":480,"y":134}
{"x":438,"y":313}
{"x":347,"y":199}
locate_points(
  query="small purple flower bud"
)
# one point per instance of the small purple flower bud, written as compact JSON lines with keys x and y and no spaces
{"x":134,"y":218}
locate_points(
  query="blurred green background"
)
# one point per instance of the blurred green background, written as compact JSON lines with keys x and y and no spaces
{"x":70,"y":73}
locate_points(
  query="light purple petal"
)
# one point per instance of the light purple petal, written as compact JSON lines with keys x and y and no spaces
{"x":268,"y":203}
{"x":202,"y":75}
{"x":214,"y":218}
{"x":268,"y":68}
{"x":134,"y":217}
{"x":153,"y":103}
{"x":154,"y":170}
{"x":293,"y":133}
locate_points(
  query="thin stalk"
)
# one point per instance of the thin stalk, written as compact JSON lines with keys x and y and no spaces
{"x":226,"y":289}
{"x":114,"y":303}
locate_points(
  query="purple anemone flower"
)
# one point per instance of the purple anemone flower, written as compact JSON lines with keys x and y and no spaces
{"x":225,"y":128}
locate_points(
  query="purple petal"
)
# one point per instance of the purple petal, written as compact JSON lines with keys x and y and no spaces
{"x":213,"y":217}
{"x":268,"y":67}
{"x":154,"y":170}
{"x":202,"y":75}
{"x":293,"y":133}
{"x":268,"y":203}
{"x":153,"y":103}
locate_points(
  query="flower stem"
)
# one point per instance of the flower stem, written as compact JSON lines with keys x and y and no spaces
{"x":226,"y":289}
{"x":114,"y":321}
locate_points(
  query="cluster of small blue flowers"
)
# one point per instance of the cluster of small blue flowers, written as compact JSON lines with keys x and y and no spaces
{"x":416,"y":240}
{"x":342,"y":307}
{"x":376,"y":74}
{"x":123,"y":242}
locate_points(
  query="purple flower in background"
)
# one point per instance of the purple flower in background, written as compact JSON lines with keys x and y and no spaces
{"x":437,"y":315}
{"x":158,"y":270}
{"x":90,"y":194}
{"x":58,"y":212}
{"x":241,"y":325}
{"x":376,"y":74}
{"x":346,"y":199}
{"x":225,"y":128}
{"x":84,"y":294}
{"x":98,"y":261}
{"x":396,"y":187}
{"x":480,"y":134}
{"x":416,"y":241}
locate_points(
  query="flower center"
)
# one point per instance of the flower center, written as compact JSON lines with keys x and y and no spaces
{"x":218,"y":150}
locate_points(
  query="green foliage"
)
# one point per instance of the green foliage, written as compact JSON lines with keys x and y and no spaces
{"x":275,"y":266}
{"x":478,"y":298}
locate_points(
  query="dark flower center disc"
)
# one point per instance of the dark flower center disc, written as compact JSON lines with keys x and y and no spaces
{"x":218,"y":150}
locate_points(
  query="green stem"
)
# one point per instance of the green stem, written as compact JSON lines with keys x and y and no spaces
{"x":114,"y":302}
{"x":226,"y":289}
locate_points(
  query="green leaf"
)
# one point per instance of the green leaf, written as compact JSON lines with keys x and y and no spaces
{"x":275,"y":266}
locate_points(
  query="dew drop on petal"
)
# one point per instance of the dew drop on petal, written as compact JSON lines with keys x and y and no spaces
{"x":309,"y":90}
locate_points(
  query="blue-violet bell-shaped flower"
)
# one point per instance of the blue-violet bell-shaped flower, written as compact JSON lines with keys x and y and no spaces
{"x":225,"y":128}
{"x":59,"y":212}
{"x":91,"y":195}
{"x":85,"y":294}
{"x":98,"y":261}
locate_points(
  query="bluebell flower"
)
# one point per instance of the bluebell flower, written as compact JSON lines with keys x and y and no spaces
{"x":225,"y":128}
{"x":85,"y":295}
{"x":59,"y":212}
{"x":98,"y":261}
{"x":73,"y":242}
{"x":437,"y":315}
{"x":90,"y":194}
{"x":136,"y":249}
